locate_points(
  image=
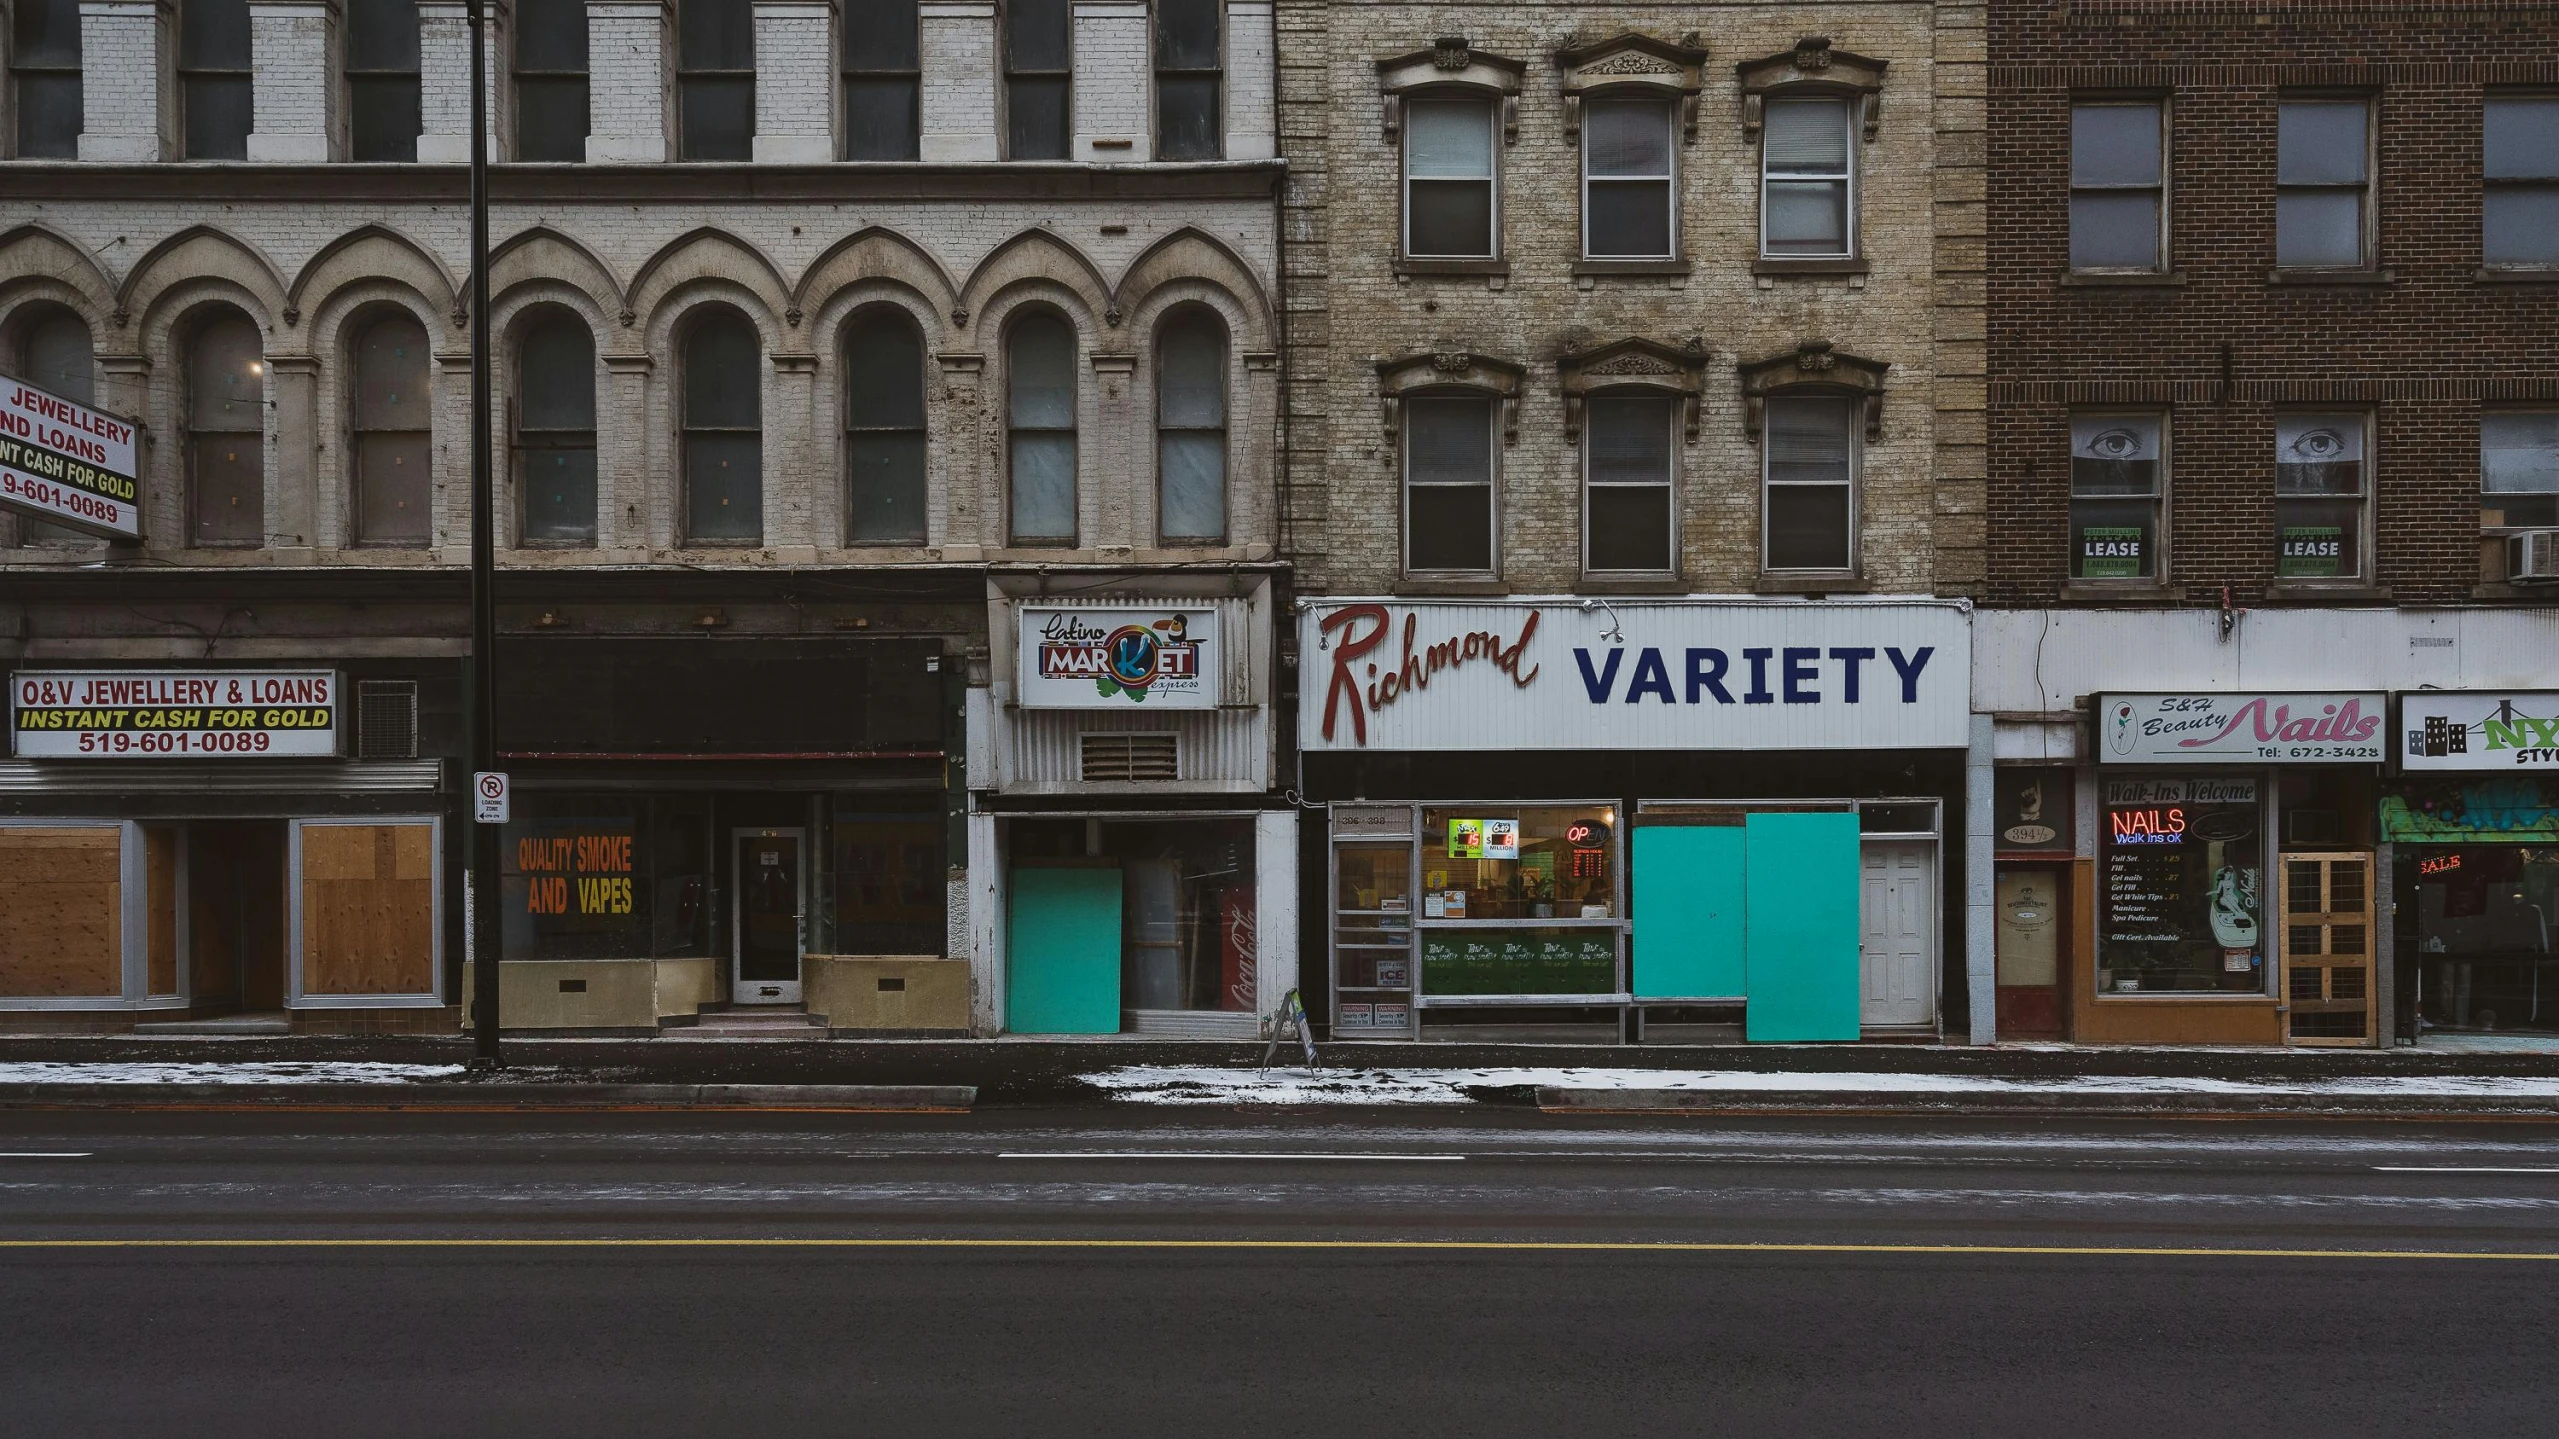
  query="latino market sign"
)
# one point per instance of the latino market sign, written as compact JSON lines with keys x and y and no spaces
{"x":2451,"y":730}
{"x":2247,"y":728}
{"x":1112,"y":659}
{"x":173,"y":714}
{"x":67,"y":463}
{"x":1582,"y":674}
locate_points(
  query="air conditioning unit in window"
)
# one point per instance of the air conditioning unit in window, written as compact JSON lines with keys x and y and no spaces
{"x":2532,"y":556}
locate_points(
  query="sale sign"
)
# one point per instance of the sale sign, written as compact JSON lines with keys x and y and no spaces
{"x":173,"y":714}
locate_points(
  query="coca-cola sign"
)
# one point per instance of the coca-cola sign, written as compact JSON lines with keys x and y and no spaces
{"x":2249,"y":727}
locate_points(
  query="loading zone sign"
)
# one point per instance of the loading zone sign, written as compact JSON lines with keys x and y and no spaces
{"x":69,"y":464}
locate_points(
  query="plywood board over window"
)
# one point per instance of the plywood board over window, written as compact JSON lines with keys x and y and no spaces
{"x":364,"y":917}
{"x":62,"y":911}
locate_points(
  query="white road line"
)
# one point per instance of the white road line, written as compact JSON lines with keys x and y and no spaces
{"x":2458,"y":1169}
{"x":45,"y":1154}
{"x":1215,"y":1154}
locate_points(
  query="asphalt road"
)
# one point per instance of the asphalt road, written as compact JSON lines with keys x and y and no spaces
{"x":1471,"y":1272}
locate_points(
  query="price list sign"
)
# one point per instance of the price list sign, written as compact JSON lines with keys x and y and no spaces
{"x":2180,"y":875}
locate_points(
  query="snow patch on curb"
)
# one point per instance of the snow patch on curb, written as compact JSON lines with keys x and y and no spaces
{"x":1204,"y":1084}
{"x":273,"y":1072}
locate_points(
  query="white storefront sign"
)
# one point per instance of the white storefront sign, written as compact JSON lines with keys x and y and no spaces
{"x":2292,"y":727}
{"x":68,"y":463}
{"x":2479,"y":730}
{"x":173,"y":714}
{"x":1630,"y":675}
{"x":1157,"y":658}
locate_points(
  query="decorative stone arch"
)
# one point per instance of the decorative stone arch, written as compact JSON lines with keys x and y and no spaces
{"x":1634,"y":364}
{"x":867,"y":258}
{"x":40,"y":262}
{"x":326,"y":371}
{"x":195,"y":254}
{"x":1450,"y":66}
{"x":947,"y":422}
{"x":365,"y":254}
{"x":1036,"y":256}
{"x":543,"y":254}
{"x":1812,"y":68}
{"x":1191,"y":257}
{"x":1628,"y":65}
{"x":1814,"y":367}
{"x":1448,"y":370}
{"x":711,"y":256}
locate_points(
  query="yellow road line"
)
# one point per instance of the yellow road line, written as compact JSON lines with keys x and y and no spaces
{"x":1421,"y":1245}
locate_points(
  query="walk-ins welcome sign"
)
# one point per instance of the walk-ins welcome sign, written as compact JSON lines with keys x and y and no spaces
{"x":67,"y":463}
{"x":1576,"y":674}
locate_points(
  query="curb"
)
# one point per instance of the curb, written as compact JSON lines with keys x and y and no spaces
{"x":839,"y":1098}
{"x":1562,"y":1100}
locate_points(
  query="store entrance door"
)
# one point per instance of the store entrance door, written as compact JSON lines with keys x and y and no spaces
{"x":1899,"y":938}
{"x":2028,"y":949}
{"x":771,"y":887}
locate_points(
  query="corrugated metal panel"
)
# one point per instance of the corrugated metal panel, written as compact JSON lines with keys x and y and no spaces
{"x":1220,"y":749}
{"x":221,"y":777}
{"x":1190,"y":1024}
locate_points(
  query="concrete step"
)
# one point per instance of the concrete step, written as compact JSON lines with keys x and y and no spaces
{"x":220,"y":1024}
{"x":751,"y":1022}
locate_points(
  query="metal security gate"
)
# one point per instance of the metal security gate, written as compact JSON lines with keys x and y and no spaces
{"x":2328,"y":948}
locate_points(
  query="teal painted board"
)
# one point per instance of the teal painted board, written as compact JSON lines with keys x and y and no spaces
{"x":1800,"y":929}
{"x":1688,"y":911}
{"x":1064,"y":970}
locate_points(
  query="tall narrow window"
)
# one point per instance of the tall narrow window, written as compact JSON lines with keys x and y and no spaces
{"x":2117,"y":471}
{"x":44,"y":68}
{"x":715,"y":79}
{"x":723,"y":429}
{"x":1811,"y":460}
{"x":1626,"y":179}
{"x":884,"y":489}
{"x":1190,"y":65}
{"x":2116,"y":190}
{"x":226,"y":433}
{"x":555,"y":432}
{"x":2519,"y":469}
{"x":1448,"y":483}
{"x":1036,"y":74}
{"x":1040,"y":383}
{"x":2320,"y":479}
{"x":882,"y":80}
{"x":393,"y":471}
{"x":1448,"y":179}
{"x":382,"y":79}
{"x":1627,"y":445}
{"x":1190,"y":429}
{"x":213,"y":78}
{"x":550,"y":80}
{"x":2323,"y":217}
{"x":2519,"y":226}
{"x":1806,"y":204}
{"x":54,"y":355}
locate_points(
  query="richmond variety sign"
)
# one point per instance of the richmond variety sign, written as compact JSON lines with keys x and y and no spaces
{"x":1575,"y":674}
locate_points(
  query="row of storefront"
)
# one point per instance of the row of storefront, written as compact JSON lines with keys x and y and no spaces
{"x":1030,"y":809}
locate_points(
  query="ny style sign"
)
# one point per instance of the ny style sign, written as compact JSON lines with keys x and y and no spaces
{"x":1575,"y":674}
{"x":1113,"y":659}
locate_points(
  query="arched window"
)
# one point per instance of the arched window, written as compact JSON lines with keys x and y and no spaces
{"x":52,"y":353}
{"x":382,"y":79}
{"x":213,"y":78}
{"x":1190,"y":429}
{"x":1040,"y":374}
{"x":44,"y":63}
{"x":226,"y":432}
{"x":723,"y":429}
{"x":393,"y":471}
{"x":555,"y":431}
{"x":884,"y":429}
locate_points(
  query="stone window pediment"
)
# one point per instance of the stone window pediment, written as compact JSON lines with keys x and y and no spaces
{"x":1451,"y":64}
{"x":1634,"y":64}
{"x":1634,"y":363}
{"x":1449,"y":370}
{"x":1814,"y":367}
{"x":1813,"y":68}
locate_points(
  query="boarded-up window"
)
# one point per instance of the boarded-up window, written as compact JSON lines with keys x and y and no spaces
{"x":367,"y":921}
{"x":61,"y":912}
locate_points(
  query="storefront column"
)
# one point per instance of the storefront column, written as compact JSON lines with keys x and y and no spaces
{"x":986,"y":928}
{"x":1980,"y":882}
{"x":1275,"y":965}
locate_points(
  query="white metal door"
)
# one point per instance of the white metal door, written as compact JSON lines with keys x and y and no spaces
{"x":1899,"y":933}
{"x":767,"y":910}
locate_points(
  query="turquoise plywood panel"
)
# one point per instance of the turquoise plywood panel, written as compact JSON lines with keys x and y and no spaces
{"x":1063,"y":974}
{"x":1800,"y":929}
{"x":1688,"y":911}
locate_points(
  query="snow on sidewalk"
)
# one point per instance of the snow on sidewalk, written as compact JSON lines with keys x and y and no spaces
{"x":276,"y":1072}
{"x":1200,"y":1084}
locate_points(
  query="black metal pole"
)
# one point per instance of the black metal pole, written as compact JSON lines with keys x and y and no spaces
{"x":485,"y":932}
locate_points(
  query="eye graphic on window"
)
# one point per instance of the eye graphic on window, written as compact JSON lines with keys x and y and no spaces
{"x":2316,"y":446}
{"x":2119,"y":443}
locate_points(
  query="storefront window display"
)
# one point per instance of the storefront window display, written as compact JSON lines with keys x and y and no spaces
{"x":2477,"y":871}
{"x":607,"y":877}
{"x":888,"y":874}
{"x":1187,"y":909}
{"x":2181,"y":887}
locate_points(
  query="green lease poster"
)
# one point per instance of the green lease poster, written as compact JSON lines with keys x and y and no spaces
{"x":2110,"y":552}
{"x":2311,"y":552}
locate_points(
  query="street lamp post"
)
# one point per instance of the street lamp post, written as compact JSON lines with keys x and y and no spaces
{"x":481,"y":722}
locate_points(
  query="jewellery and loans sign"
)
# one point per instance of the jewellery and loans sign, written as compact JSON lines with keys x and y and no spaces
{"x":2247,"y":728}
{"x":1110,"y":659}
{"x":2479,"y":730}
{"x":173,"y":714}
{"x":64,"y":462}
{"x":1584,"y":674}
